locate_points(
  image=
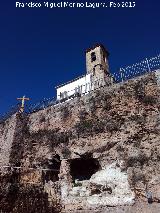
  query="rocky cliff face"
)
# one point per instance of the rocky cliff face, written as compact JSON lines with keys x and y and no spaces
{"x":7,"y":130}
{"x":97,"y":152}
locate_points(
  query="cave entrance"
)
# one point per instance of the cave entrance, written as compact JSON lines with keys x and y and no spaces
{"x":83,"y":168}
{"x":52,"y":169}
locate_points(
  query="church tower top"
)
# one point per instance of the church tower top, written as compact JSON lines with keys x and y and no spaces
{"x":97,"y":56}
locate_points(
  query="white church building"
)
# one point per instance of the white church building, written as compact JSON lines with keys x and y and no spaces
{"x":97,"y":75}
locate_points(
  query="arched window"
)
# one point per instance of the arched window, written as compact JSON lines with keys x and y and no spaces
{"x":93,"y":56}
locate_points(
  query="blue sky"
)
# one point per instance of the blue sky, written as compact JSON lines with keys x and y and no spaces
{"x":42,"y":48}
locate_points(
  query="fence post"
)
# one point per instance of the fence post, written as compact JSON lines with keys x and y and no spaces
{"x":158,"y":58}
{"x":149,"y":69}
{"x":43,"y":103}
{"x":121,"y":74}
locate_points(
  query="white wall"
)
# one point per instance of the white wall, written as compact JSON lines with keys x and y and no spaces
{"x":84,"y":85}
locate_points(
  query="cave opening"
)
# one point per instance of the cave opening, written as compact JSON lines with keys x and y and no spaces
{"x":83,"y":168}
{"x":51,"y":170}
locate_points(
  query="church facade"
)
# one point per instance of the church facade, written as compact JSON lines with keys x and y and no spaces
{"x":97,"y":74}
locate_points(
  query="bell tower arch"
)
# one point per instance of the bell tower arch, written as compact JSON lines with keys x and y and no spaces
{"x":97,"y":65}
{"x":97,"y":56}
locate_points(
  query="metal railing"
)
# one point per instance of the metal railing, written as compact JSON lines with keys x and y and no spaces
{"x":124,"y":74}
{"x":137,"y":69}
{"x":46,"y":102}
{"x":9,"y":113}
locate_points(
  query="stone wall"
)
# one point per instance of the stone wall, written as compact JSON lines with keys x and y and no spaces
{"x":97,"y":151}
{"x":7,"y":130}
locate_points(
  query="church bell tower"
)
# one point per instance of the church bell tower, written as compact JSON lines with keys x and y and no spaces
{"x":98,"y":66}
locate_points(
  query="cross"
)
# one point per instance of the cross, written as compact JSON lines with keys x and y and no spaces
{"x":23,"y":99}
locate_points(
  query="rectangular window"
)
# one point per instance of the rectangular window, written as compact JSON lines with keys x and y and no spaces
{"x":93,"y":56}
{"x":61,"y":95}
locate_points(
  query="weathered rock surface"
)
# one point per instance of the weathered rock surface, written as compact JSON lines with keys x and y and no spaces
{"x":95,"y":153}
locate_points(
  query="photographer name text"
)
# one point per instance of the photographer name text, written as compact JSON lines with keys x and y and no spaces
{"x":93,"y":5}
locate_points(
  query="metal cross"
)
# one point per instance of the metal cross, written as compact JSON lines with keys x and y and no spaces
{"x":23,"y":99}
